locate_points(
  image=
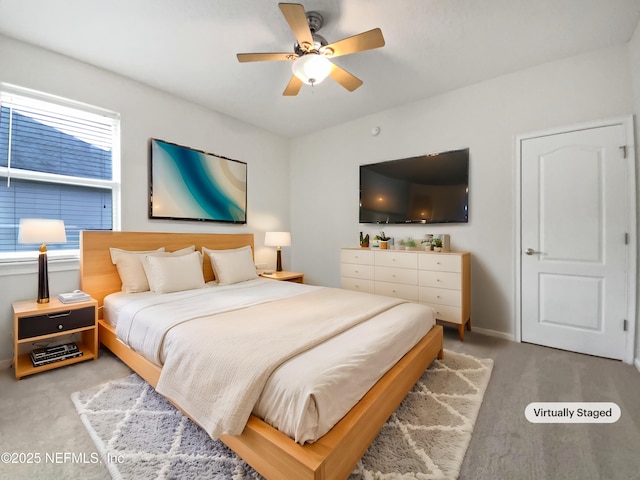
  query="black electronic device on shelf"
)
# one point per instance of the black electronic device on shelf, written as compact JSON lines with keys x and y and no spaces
{"x":42,"y":356}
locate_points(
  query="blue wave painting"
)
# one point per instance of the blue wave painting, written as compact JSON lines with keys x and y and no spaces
{"x":194,"y":185}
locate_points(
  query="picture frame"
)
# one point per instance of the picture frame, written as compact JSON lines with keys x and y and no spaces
{"x":190,"y":184}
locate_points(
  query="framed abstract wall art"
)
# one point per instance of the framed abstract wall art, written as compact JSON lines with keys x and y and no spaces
{"x":188,"y":184}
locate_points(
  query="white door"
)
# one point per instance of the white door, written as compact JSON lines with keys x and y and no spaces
{"x":574,"y":265}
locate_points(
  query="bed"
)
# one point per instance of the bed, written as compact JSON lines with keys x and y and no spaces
{"x":271,"y":452}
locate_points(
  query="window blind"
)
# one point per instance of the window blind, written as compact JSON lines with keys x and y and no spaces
{"x":56,"y":161}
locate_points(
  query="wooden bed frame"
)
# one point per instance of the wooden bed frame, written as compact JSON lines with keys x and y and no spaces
{"x":270,"y":452}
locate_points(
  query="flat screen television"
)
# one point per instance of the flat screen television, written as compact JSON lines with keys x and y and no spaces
{"x":425,"y":189}
{"x":189,"y":184}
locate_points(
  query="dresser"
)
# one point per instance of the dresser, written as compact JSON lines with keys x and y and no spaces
{"x":441,"y":280}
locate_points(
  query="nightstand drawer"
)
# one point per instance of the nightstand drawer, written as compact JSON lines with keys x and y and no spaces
{"x":60,"y":321}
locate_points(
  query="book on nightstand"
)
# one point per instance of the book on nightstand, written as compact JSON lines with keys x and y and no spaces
{"x":74,"y":297}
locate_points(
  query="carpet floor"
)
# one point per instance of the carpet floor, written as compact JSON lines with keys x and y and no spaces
{"x":139,"y":435}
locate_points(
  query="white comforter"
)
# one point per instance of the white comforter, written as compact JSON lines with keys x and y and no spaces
{"x":319,"y":407}
{"x":142,"y":323}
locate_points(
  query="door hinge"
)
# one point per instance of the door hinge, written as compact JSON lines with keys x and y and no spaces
{"x":624,"y":325}
{"x":626,"y":239}
{"x":623,"y":148}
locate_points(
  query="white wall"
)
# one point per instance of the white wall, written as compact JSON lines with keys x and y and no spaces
{"x":634,"y":63}
{"x":323,"y":167}
{"x":484,"y":117}
{"x":146,"y":113}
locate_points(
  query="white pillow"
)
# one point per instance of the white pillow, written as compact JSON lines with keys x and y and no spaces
{"x":177,"y":253}
{"x":129,"y":265}
{"x":233,"y":265}
{"x":174,"y":273}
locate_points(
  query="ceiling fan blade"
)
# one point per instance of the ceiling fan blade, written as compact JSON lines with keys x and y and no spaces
{"x":297,"y":19}
{"x":358,"y":43}
{"x":264,"y":57}
{"x":344,"y":78}
{"x":293,"y":87}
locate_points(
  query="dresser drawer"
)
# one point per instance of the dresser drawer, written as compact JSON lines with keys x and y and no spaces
{"x":396,"y":275}
{"x":357,"y":284}
{"x":440,"y":262}
{"x":61,"y":321}
{"x":357,"y":271}
{"x":440,"y":279}
{"x":398,"y":290}
{"x":447,"y":313}
{"x":440,"y":296}
{"x":396,"y":259}
{"x":360,"y":257}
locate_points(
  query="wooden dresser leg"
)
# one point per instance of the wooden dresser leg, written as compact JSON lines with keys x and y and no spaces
{"x":469,"y":324}
{"x":461,"y":331}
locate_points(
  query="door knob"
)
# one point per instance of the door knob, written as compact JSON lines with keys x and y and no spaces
{"x":531,"y":251}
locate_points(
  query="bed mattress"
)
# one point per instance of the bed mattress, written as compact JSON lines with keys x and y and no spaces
{"x":309,"y":393}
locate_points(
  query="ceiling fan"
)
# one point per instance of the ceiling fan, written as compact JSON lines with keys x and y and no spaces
{"x":311,"y":53}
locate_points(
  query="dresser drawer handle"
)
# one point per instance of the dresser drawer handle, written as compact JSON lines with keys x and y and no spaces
{"x":60,"y":314}
{"x":60,"y":327}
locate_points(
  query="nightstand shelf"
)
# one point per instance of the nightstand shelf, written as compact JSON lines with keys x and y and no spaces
{"x":34,"y":322}
{"x":24,"y":366}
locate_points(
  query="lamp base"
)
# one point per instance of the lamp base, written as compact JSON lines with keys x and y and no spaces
{"x":279,"y":260}
{"x":43,"y":278}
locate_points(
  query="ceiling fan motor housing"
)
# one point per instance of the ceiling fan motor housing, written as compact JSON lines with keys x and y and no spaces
{"x":315,"y":21}
{"x":318,"y":42}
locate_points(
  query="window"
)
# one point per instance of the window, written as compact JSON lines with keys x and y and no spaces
{"x":58,"y":159}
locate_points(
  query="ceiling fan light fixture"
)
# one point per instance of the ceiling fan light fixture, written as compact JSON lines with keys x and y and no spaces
{"x":310,"y":62}
{"x":312,"y":68}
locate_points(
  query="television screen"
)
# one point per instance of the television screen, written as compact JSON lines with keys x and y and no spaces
{"x":188,"y":184}
{"x":426,"y":189}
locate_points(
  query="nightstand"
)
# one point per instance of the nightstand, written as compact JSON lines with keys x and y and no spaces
{"x":39,"y":324}
{"x":284,"y":276}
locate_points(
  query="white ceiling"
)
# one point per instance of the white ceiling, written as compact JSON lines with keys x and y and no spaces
{"x":188,"y":47}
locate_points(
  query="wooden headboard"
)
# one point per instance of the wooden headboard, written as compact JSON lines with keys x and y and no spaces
{"x":99,"y":277}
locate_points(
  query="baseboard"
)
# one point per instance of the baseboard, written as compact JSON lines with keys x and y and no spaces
{"x":493,"y":333}
{"x":637,"y":363}
{"x":5,"y":363}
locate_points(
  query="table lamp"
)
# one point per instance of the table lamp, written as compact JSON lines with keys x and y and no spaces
{"x":278,"y":239}
{"x":43,"y":231}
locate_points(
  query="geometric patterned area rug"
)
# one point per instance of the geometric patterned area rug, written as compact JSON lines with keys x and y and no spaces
{"x":140,"y":435}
